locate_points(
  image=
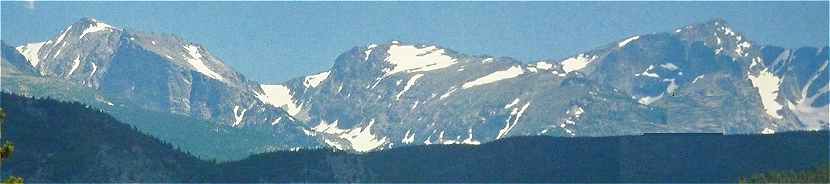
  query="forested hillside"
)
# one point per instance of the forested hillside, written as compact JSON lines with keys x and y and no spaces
{"x":69,"y":142}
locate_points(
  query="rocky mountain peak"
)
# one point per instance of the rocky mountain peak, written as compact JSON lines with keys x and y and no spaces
{"x":719,"y":35}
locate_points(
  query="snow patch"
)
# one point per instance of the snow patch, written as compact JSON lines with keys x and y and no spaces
{"x":196,"y":60}
{"x":515,"y":114}
{"x":511,"y":72}
{"x":768,"y":86}
{"x":328,"y":128}
{"x":30,"y":52}
{"x":362,"y":139}
{"x":578,"y":112}
{"x":487,"y":60}
{"x":669,"y":66}
{"x":368,"y":51}
{"x":814,"y":118}
{"x":94,"y":69}
{"x":577,"y":63}
{"x":625,"y":42}
{"x":276,"y":121}
{"x":279,"y":96}
{"x":768,"y":131}
{"x":75,"y":64}
{"x":743,"y":48}
{"x":511,"y":104}
{"x":448,"y":93}
{"x":238,"y":116}
{"x":96,"y":27}
{"x":408,"y":138}
{"x":649,"y":99}
{"x":648,"y":72}
{"x":543,"y":65}
{"x":409,"y":84}
{"x":697,"y":78}
{"x":470,"y":139}
{"x":313,"y":81}
{"x":62,"y":36}
{"x":413,"y":59}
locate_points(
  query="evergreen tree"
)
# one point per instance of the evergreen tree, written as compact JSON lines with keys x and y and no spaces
{"x":6,"y":150}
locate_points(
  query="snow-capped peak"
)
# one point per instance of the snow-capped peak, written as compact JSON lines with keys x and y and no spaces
{"x":91,"y":25}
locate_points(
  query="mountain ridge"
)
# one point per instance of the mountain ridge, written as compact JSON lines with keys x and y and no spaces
{"x":703,"y":77}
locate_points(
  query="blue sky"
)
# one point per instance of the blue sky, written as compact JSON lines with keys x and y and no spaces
{"x":275,"y":41}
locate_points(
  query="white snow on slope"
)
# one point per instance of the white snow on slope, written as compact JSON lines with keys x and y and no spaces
{"x":487,"y":60}
{"x":276,"y":121}
{"x":515,"y":114}
{"x":328,"y":128}
{"x":196,"y":60}
{"x":543,"y":65}
{"x":408,"y":138}
{"x":669,"y":66}
{"x":238,"y":116}
{"x":578,"y":112}
{"x":279,"y":96}
{"x":470,"y":139}
{"x":649,"y":99}
{"x":75,"y":64}
{"x":768,"y":131}
{"x":768,"y":85}
{"x":362,"y":139}
{"x":513,"y":71}
{"x":511,"y":104}
{"x":743,"y":48}
{"x":94,"y":69}
{"x":697,"y":78}
{"x":368,"y":51}
{"x":648,"y":72}
{"x":814,"y":118}
{"x":669,"y":89}
{"x":409,"y":84}
{"x":409,"y":58}
{"x":625,"y":42}
{"x":448,"y":93}
{"x":30,"y":52}
{"x":62,"y":36}
{"x":95,"y":27}
{"x":58,"y":53}
{"x":577,"y":63}
{"x":672,"y":85}
{"x":313,"y":81}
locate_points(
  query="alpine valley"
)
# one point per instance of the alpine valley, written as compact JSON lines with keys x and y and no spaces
{"x":700,"y":78}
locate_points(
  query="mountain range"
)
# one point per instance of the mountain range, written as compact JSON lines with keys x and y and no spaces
{"x":703,"y":77}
